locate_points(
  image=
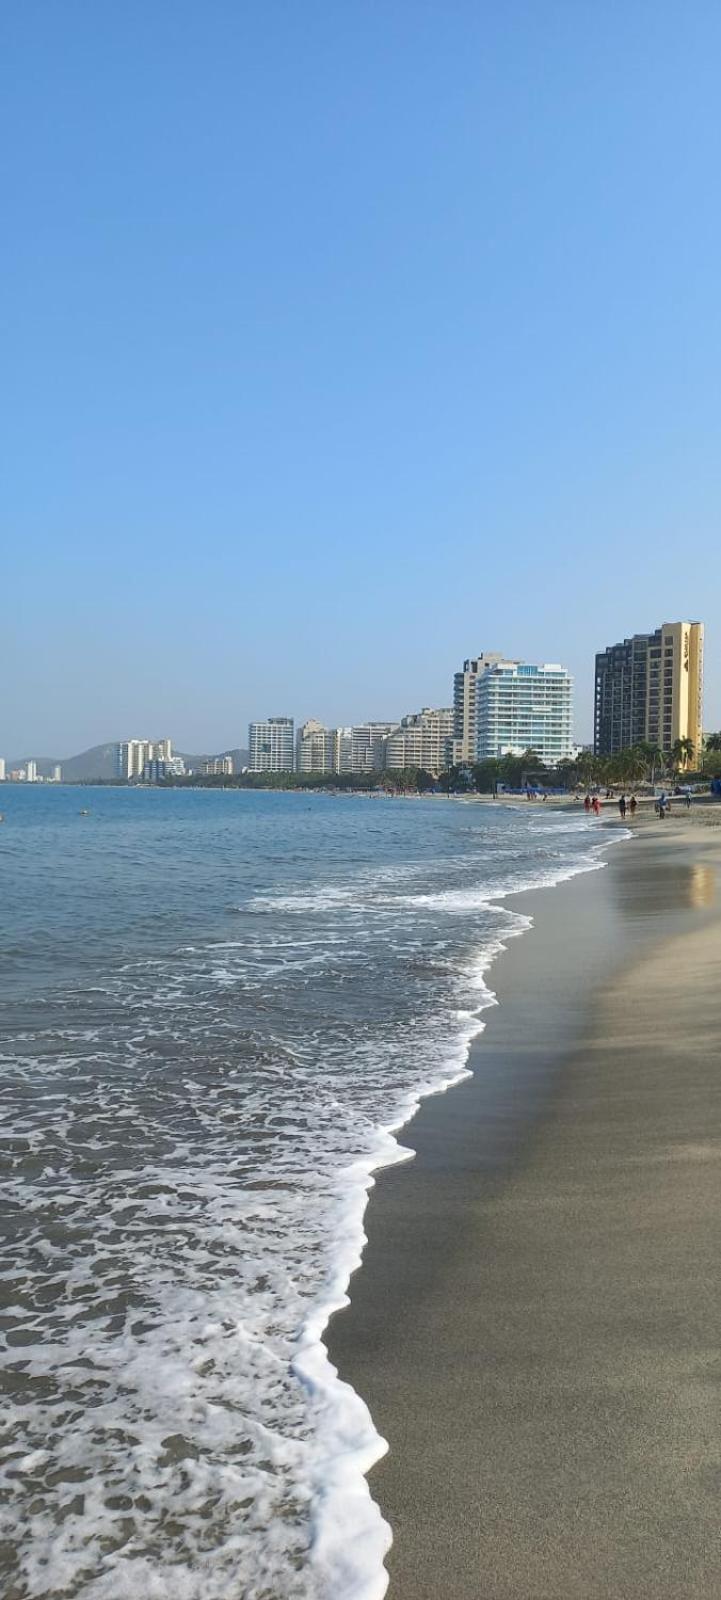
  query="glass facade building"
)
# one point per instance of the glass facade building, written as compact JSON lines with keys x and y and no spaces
{"x":521,"y":707}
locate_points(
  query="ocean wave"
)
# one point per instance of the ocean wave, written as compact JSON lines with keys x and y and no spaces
{"x":189,"y":1142}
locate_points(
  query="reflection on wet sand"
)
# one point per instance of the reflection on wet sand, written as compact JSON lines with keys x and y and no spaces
{"x":680,"y":886}
{"x":702,"y":886}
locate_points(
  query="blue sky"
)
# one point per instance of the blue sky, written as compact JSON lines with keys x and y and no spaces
{"x":341,"y":341}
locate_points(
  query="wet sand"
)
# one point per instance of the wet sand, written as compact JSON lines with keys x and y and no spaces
{"x":537,"y":1323}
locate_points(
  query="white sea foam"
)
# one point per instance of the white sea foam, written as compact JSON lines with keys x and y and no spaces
{"x":190,"y":1150}
{"x":351,"y":1538}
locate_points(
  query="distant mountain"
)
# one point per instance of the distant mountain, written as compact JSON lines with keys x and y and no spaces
{"x":96,"y":763}
{"x":99,"y":763}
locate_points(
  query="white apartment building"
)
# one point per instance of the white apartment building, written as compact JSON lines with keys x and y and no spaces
{"x":315,"y":748}
{"x":323,"y":750}
{"x":270,"y":745}
{"x":520,"y":706}
{"x":368,"y":746}
{"x":2,"y":769}
{"x":132,"y":755}
{"x":57,"y":774}
{"x":342,"y":749}
{"x":465,"y":688}
{"x":218,"y":767}
{"x":424,"y":739}
{"x":31,"y":772}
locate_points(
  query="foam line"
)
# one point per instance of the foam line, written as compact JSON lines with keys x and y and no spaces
{"x":351,"y":1538}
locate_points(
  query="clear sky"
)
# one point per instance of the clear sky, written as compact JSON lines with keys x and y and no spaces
{"x":345,"y":338}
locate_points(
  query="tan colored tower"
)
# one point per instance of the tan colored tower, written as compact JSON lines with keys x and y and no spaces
{"x":650,"y":688}
{"x":677,"y":712}
{"x":465,"y":684}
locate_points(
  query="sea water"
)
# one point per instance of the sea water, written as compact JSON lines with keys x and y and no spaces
{"x":218,"y":1008}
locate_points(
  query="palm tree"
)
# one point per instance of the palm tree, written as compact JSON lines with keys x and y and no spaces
{"x":652,"y":756}
{"x":629,"y":766}
{"x":681,"y":754}
{"x":588,"y":767}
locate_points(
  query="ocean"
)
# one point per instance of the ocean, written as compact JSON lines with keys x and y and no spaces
{"x":218,"y":1009}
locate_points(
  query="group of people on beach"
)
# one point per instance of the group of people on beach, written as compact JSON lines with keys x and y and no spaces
{"x":624,"y":805}
{"x":661,"y":806}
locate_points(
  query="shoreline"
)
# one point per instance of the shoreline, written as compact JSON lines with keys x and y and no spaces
{"x":351,"y":1444}
{"x":415,"y":1342}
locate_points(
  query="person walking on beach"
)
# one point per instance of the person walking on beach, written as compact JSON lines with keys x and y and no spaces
{"x":622,"y":805}
{"x":688,"y":800}
{"x":587,"y":803}
{"x":662,"y":803}
{"x":633,"y":803}
{"x":596,"y":806}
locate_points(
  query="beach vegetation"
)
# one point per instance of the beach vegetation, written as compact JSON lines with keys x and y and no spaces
{"x":404,"y":780}
{"x":485,"y":775}
{"x":457,"y":779}
{"x":711,"y":754}
{"x":681,"y":755}
{"x":653,"y":758}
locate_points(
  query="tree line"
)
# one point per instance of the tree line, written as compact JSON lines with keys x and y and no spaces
{"x":643,"y":762}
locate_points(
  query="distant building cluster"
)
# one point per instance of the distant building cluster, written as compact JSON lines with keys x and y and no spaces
{"x":148,"y":760}
{"x":424,"y":738}
{"x":500,"y":707}
{"x":648,"y":690}
{"x":29,"y":773}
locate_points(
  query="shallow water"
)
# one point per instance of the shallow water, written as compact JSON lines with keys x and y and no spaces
{"x":215,"y":1008}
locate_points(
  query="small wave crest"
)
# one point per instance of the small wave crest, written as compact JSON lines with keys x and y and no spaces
{"x":189,"y":1140}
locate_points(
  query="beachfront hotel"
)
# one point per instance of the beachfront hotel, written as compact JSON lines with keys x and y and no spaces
{"x":315,"y":748}
{"x":524,"y":706}
{"x":424,"y":739}
{"x":368,"y":745}
{"x":270,"y":745}
{"x":649,"y":689}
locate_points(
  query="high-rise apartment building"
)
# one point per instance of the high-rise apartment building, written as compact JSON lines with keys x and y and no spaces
{"x":315,"y":748}
{"x":368,"y":741}
{"x":424,"y":739}
{"x":521,"y":706}
{"x":270,"y":745}
{"x":465,"y":686}
{"x":218,"y":767}
{"x":2,"y":769}
{"x":31,"y":772}
{"x":342,"y":749}
{"x":323,"y":750}
{"x":131,"y":755}
{"x":649,"y":689}
{"x":57,"y":774}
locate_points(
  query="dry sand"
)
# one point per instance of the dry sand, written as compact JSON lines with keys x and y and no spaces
{"x":537,"y":1324}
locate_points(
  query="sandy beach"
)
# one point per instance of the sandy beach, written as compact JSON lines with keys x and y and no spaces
{"x":536,"y":1326}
